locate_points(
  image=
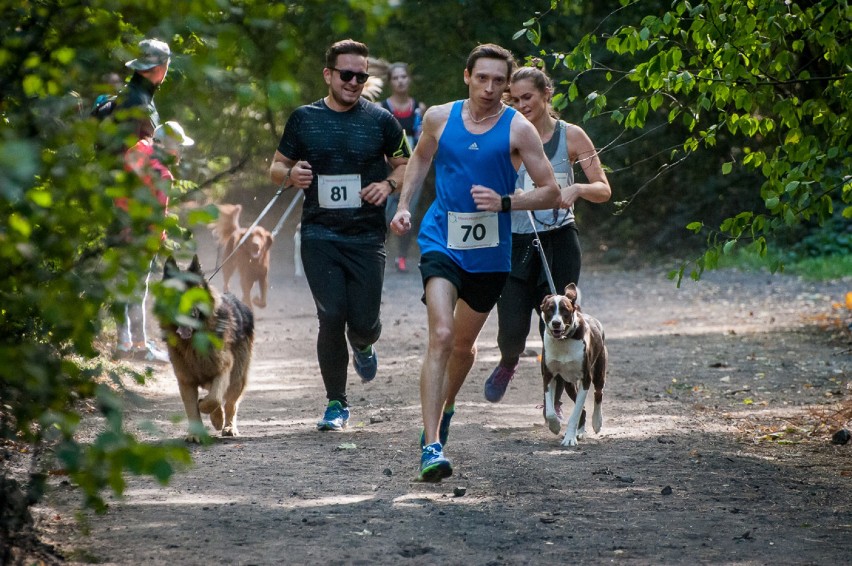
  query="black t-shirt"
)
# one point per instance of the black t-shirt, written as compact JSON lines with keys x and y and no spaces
{"x":357,"y":141}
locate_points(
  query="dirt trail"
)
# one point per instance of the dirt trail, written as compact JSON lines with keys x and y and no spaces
{"x":679,"y":473}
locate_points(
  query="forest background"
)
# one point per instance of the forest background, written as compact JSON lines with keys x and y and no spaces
{"x":722,"y":124}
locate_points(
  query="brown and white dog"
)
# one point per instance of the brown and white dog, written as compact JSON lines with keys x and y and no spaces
{"x":251,"y":259}
{"x":575,"y":352}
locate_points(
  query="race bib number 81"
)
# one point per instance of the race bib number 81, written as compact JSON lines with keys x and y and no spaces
{"x":472,"y":230}
{"x":339,"y":191}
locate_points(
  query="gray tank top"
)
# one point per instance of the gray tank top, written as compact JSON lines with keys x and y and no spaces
{"x":557,"y":152}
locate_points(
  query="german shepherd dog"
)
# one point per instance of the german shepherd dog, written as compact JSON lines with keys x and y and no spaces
{"x":222,"y":366}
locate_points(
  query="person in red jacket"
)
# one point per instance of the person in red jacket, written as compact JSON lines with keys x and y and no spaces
{"x":148,"y":159}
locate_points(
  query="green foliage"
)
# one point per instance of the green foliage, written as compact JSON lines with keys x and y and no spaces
{"x":69,"y":255}
{"x":769,"y":79}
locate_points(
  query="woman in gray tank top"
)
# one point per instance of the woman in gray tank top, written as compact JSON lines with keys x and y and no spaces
{"x":566,"y":145}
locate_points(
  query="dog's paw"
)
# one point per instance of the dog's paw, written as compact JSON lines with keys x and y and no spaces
{"x":581,"y":432}
{"x":597,"y":421}
{"x":208,"y":405}
{"x":553,"y":423}
{"x":258,"y":302}
{"x":230,"y":431}
{"x":192,"y":438}
{"x":217,"y":418}
{"x":569,"y":441}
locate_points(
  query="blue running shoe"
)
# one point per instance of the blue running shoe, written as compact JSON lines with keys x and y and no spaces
{"x":443,"y":429}
{"x":496,"y":384}
{"x":335,"y":418}
{"x":433,"y":466}
{"x":366,"y":364}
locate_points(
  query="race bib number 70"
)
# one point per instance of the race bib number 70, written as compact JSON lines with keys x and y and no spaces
{"x":339,"y":191}
{"x":472,"y":230}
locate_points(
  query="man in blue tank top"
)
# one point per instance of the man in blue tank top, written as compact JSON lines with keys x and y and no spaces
{"x":347,"y":155}
{"x":465,"y":236}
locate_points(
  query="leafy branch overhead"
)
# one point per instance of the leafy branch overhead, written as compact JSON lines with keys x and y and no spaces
{"x":771,"y":78}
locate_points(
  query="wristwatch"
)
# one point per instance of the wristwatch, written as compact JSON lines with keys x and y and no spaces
{"x":392,"y":184}
{"x":506,"y":203}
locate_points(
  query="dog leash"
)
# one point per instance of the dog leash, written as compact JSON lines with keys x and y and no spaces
{"x":249,"y":231}
{"x":537,"y":244}
{"x":287,"y":212}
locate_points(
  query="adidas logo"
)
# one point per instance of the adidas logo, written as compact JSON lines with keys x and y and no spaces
{"x":473,"y":147}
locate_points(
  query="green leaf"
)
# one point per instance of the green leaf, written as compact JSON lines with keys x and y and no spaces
{"x":573,"y":93}
{"x":33,"y":86}
{"x":43,"y":199}
{"x":727,"y":167}
{"x":20,"y":224}
{"x":64,"y":55}
{"x":794,"y":136}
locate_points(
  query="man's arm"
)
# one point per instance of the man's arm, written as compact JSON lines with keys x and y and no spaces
{"x":418,"y":166}
{"x":527,"y":148}
{"x":289,"y":173}
{"x":377,"y":193}
{"x":531,"y":152}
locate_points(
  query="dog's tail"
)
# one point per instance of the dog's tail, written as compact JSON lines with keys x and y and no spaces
{"x":228,"y":222}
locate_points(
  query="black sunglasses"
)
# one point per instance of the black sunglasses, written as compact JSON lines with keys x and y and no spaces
{"x":346,"y":75}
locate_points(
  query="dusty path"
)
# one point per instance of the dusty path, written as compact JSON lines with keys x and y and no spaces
{"x":679,"y":474}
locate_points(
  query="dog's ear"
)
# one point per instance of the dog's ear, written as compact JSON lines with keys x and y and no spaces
{"x":170,"y":268}
{"x":571,"y":291}
{"x":544,"y":302}
{"x":195,"y":266}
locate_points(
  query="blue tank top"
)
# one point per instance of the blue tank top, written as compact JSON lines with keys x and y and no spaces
{"x":464,"y":159}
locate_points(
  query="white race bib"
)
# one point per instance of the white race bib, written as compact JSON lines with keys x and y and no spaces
{"x":339,"y":191}
{"x":561,"y":178}
{"x":472,"y":230}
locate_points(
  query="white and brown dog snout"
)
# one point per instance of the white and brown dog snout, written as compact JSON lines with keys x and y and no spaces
{"x":559,"y":315}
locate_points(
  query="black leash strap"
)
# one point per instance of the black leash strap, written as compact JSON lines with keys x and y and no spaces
{"x":537,"y":243}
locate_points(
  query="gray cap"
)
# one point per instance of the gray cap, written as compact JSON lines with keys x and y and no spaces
{"x":152,"y":53}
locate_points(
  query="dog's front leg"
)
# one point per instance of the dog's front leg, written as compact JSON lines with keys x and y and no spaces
{"x":570,"y":438}
{"x":263,"y":282}
{"x":550,"y":414}
{"x":189,"y":396}
{"x":212,"y":403}
{"x":550,"y":381}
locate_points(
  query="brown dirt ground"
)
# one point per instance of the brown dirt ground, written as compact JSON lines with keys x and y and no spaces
{"x":718,"y":411}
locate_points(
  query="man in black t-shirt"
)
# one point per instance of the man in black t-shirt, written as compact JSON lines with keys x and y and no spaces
{"x":348,"y":155}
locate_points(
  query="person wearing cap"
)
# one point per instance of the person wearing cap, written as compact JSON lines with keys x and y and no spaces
{"x":149,"y":159}
{"x":149,"y":71}
{"x":347,"y":155}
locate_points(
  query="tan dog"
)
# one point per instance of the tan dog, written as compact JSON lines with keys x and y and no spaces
{"x":574,"y":351}
{"x":222,"y":371}
{"x":252,"y":258}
